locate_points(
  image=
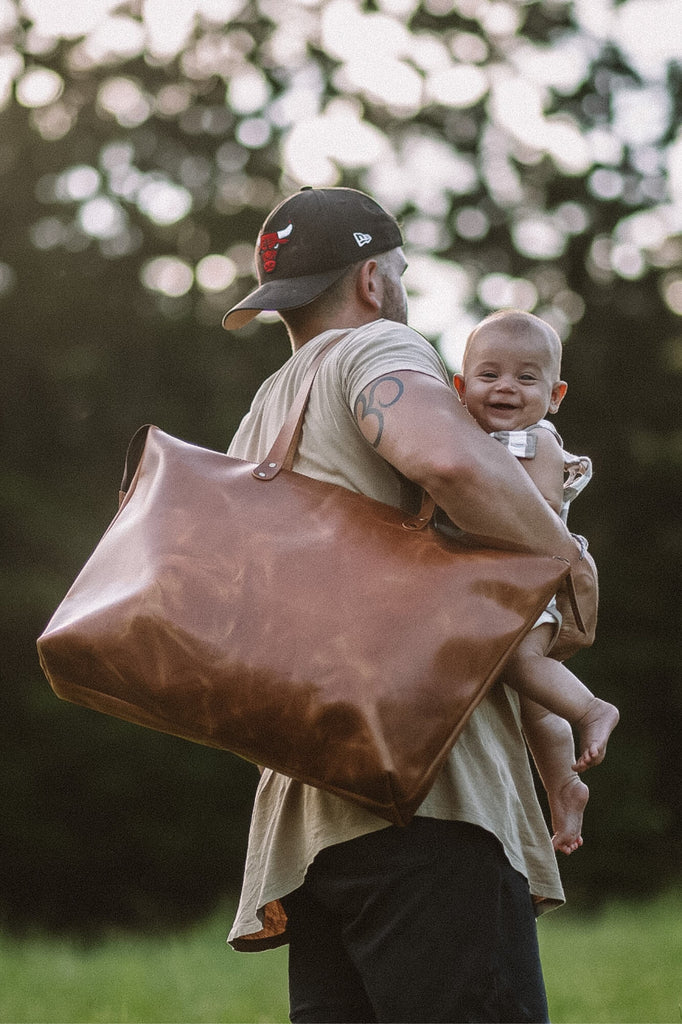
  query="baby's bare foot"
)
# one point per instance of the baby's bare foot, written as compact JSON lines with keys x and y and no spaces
{"x":595,"y":727}
{"x":567,"y":805}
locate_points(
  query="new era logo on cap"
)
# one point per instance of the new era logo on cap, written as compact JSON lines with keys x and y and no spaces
{"x":361,"y":238}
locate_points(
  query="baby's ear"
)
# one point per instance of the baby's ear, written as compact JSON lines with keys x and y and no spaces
{"x":558,"y":392}
{"x":460,"y":386}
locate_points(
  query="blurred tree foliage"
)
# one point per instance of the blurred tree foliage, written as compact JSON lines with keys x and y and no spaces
{"x":533,"y":156}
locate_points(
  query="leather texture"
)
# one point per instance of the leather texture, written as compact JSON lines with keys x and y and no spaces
{"x":297,"y":624}
{"x":578,"y":605}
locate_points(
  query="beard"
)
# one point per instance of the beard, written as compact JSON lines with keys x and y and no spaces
{"x":394,"y":306}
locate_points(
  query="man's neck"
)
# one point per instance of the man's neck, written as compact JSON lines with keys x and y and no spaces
{"x":344,"y":320}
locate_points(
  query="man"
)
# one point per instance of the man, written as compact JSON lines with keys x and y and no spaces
{"x":435,"y":921}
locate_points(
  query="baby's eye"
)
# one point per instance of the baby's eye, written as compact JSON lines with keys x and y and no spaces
{"x":527,"y":377}
{"x":488,"y":375}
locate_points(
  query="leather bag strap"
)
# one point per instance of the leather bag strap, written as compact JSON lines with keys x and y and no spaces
{"x":283,"y":450}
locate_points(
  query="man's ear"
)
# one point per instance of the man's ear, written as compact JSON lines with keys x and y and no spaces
{"x":460,"y":386}
{"x":558,"y":391}
{"x":369,"y":284}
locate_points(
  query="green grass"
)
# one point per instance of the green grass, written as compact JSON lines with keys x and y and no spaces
{"x":181,"y":978}
{"x":621,"y":967}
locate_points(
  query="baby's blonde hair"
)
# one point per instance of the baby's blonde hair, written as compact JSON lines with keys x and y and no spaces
{"x":519,"y":320}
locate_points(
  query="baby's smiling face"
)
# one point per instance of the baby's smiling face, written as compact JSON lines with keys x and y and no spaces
{"x":510,"y":376}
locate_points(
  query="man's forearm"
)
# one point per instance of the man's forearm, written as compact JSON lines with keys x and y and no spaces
{"x":493,"y":499}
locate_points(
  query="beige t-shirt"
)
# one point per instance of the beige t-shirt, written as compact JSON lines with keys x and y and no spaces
{"x":487,"y":779}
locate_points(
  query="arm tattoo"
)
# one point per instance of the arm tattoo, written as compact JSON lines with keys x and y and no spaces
{"x":371,"y":403}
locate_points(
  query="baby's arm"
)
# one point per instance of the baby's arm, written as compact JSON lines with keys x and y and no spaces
{"x":546,"y":470}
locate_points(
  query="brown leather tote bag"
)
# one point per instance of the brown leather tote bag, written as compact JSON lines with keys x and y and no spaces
{"x":295,"y":623}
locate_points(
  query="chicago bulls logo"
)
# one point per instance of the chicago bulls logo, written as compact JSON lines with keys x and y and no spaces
{"x":268,"y":247}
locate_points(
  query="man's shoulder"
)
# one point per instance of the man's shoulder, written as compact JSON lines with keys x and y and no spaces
{"x":381,"y":347}
{"x":396,"y":341}
{"x":385,"y":332}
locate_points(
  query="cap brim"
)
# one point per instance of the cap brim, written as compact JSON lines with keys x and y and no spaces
{"x":289,"y":293}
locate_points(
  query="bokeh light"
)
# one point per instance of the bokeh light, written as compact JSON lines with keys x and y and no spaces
{"x":275,"y":98}
{"x":215,"y":273}
{"x":39,"y":87}
{"x":167,"y":275}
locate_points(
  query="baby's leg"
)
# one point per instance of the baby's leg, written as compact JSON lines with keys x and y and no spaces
{"x":551,"y":743}
{"x":551,"y":684}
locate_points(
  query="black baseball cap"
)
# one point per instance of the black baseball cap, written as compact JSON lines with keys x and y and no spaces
{"x":307,"y":243}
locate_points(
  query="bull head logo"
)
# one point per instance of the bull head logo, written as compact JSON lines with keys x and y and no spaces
{"x":268,"y":247}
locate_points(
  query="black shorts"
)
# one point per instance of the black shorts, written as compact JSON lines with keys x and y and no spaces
{"x":420,"y":924}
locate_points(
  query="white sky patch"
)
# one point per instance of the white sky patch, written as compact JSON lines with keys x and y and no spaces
{"x":115,"y":36}
{"x":168,"y":24}
{"x":498,"y":18}
{"x":248,"y":91}
{"x":67,"y":20}
{"x":39,"y":87}
{"x":301,"y":102}
{"x":516,"y":103}
{"x":647,"y":229}
{"x":426,"y":170}
{"x":219,"y":12}
{"x":641,"y":115}
{"x":391,"y":82}
{"x":429,"y":53}
{"x":349,"y":34}
{"x":438,"y":291}
{"x":313,"y":147}
{"x":458,"y":85}
{"x":374,"y":50}
{"x":563,"y":65}
{"x":8,"y":16}
{"x":649,"y":31}
{"x":604,"y":146}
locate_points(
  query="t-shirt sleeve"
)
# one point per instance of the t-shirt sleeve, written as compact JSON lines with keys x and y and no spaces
{"x":385,"y":347}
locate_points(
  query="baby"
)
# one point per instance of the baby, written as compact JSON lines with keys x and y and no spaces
{"x":509,"y":383}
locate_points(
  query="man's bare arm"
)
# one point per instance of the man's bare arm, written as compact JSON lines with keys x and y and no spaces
{"x":418,"y":424}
